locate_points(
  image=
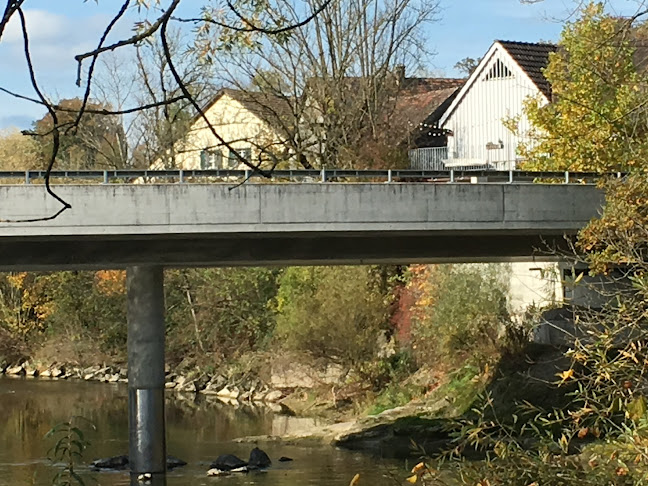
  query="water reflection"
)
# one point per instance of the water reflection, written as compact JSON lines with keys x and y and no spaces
{"x":198,"y":430}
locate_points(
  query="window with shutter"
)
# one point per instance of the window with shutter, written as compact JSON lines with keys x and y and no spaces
{"x":233,"y":161}
{"x":211,"y":159}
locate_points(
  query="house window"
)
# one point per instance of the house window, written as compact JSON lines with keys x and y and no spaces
{"x":233,"y":161}
{"x":498,"y":71}
{"x":211,"y":159}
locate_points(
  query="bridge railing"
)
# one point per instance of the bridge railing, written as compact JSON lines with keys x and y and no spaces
{"x":324,"y":175}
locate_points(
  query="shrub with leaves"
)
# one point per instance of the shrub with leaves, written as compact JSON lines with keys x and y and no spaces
{"x":333,"y":313}
{"x":460,"y":310}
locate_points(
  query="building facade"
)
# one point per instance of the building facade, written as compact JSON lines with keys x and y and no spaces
{"x":478,"y":122}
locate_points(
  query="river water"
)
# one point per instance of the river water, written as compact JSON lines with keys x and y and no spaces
{"x":197,"y":432}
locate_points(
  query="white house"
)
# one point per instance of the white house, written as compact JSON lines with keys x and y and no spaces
{"x":509,"y":73}
{"x":474,"y":123}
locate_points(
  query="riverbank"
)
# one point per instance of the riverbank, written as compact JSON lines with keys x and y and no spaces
{"x":428,"y":420}
{"x":192,"y":382}
{"x":425,"y":420}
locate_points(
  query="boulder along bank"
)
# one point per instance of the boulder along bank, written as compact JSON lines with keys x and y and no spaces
{"x":218,"y":385}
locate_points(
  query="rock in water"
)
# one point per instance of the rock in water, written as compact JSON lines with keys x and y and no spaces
{"x":285,"y":459}
{"x":172,"y":462}
{"x":258,"y":459}
{"x":228,"y":462}
{"x":116,"y":462}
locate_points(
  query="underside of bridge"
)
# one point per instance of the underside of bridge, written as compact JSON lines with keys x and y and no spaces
{"x":67,"y":253}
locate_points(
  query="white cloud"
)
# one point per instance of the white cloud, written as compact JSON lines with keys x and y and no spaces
{"x":54,"y":41}
{"x":43,"y":26}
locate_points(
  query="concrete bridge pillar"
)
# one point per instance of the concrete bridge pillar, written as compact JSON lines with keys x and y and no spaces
{"x":147,"y":442}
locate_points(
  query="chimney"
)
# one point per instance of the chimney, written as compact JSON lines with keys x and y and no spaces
{"x":399,"y":74}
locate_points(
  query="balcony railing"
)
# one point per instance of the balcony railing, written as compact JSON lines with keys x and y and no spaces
{"x":438,"y":158}
{"x":428,"y":158}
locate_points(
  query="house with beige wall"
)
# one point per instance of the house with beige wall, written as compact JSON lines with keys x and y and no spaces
{"x":256,"y":125}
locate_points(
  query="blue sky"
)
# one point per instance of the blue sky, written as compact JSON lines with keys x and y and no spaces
{"x":62,"y":28}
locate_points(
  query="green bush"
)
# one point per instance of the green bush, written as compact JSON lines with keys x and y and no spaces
{"x":219,"y":313}
{"x":332,"y":313}
{"x":466,"y":313}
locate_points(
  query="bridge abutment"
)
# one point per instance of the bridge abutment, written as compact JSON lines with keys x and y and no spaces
{"x":147,"y":441}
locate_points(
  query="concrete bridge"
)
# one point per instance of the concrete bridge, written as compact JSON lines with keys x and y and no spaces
{"x":146,"y":227}
{"x":118,"y":225}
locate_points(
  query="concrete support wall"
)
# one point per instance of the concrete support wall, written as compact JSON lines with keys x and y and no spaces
{"x":534,"y":283}
{"x":147,"y":442}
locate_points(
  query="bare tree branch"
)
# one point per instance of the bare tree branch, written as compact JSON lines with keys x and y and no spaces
{"x":55,"y":132}
{"x":145,"y":34}
{"x":251,"y":26}
{"x":11,"y":8}
{"x":92,"y":111}
{"x":86,"y":95}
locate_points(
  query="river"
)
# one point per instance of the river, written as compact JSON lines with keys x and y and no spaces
{"x":197,"y":431}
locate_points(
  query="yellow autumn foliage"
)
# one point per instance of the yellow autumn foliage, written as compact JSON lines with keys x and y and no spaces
{"x":596,"y":119}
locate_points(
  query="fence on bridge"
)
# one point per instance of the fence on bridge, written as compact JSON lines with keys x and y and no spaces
{"x":307,"y":176}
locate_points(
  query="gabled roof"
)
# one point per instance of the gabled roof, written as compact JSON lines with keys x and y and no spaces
{"x":533,"y":59}
{"x":529,"y":60}
{"x":427,"y":107}
{"x":413,"y":86}
{"x":268,"y":107}
{"x":418,"y":114}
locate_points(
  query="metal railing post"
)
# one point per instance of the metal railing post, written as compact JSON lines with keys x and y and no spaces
{"x":323,"y":175}
{"x":181,"y":177}
{"x":452,"y":177}
{"x":389,"y":176}
{"x":566,"y":177}
{"x":247,"y":175}
{"x":105,"y":177}
{"x":510,"y":177}
{"x":27,"y":181}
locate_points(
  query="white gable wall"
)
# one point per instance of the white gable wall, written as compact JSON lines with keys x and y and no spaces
{"x":493,"y":93}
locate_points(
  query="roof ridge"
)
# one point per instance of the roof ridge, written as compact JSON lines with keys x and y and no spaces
{"x":524,"y":43}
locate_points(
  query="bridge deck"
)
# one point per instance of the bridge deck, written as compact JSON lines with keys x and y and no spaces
{"x":116,"y":225}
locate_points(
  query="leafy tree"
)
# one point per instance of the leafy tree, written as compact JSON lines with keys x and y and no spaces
{"x":597,"y":118}
{"x":24,"y":306}
{"x":98,"y":142}
{"x":467,"y":65}
{"x":19,"y":152}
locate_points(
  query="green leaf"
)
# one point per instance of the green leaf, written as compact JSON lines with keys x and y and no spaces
{"x":636,"y":409}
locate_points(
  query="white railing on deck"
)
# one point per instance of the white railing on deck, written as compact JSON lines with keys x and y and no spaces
{"x":450,"y":175}
{"x":438,"y":158}
{"x":430,"y":158}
